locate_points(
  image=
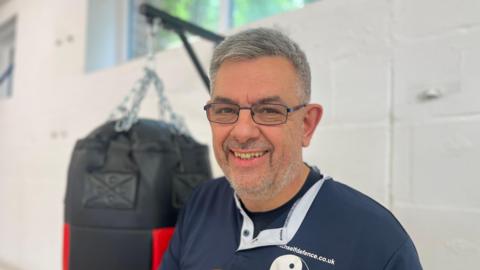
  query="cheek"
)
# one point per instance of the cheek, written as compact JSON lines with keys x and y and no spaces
{"x":290,"y":142}
{"x":218,"y":138}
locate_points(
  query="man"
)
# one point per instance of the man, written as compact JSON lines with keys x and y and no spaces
{"x":271,"y":210}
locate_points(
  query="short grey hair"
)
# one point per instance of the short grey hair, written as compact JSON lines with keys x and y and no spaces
{"x":258,"y":42}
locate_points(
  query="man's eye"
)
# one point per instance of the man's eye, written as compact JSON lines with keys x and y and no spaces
{"x":270,"y":110}
{"x":225,"y":110}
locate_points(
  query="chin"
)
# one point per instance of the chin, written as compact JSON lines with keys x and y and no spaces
{"x":246,"y":188}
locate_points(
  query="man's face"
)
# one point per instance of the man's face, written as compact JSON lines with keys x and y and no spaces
{"x":258,"y":160}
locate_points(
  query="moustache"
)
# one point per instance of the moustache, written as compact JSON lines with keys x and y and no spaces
{"x":231,"y":143}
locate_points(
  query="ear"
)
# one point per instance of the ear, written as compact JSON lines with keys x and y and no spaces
{"x":311,"y":119}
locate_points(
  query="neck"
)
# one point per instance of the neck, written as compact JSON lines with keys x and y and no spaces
{"x":283,"y":196}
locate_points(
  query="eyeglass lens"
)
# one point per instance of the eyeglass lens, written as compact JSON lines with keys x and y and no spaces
{"x":262,"y":113}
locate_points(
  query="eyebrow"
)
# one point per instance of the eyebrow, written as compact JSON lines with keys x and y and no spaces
{"x":270,"y":99}
{"x":223,"y":100}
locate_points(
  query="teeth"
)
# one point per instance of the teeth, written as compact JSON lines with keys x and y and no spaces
{"x":248,"y":155}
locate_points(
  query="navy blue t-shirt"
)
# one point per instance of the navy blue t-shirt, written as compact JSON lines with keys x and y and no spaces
{"x":332,"y":226}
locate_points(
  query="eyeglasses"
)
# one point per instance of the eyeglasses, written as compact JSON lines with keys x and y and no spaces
{"x":262,"y":113}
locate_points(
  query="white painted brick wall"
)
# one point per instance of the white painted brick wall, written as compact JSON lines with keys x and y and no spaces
{"x":440,"y":163}
{"x":367,"y":168}
{"x":446,"y":238}
{"x":418,"y":19}
{"x":364,"y":96}
{"x":436,"y":146}
{"x":370,"y":59}
{"x":449,"y":64}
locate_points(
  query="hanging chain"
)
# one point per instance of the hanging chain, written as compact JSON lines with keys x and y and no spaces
{"x":126,"y":118}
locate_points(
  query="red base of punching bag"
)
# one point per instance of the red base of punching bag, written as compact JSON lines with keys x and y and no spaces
{"x":160,"y":239}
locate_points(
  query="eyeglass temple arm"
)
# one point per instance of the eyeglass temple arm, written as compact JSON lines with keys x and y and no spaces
{"x":179,"y":26}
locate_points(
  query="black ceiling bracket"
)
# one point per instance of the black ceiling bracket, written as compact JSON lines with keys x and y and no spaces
{"x":180,"y":26}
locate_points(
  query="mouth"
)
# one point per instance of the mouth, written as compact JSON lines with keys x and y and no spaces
{"x":248,"y":155}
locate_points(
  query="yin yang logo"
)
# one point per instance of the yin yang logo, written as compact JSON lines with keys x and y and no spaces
{"x":288,"y":262}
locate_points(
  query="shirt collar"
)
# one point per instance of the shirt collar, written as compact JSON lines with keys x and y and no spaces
{"x":277,"y":236}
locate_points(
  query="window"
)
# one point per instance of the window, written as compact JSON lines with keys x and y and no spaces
{"x":117,"y":32}
{"x":245,"y":11}
{"x":7,"y":49}
{"x":204,"y":13}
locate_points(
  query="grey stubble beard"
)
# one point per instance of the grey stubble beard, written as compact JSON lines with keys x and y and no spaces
{"x":268,"y":188}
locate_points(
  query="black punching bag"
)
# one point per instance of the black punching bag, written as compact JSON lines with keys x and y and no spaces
{"x":124,"y":192}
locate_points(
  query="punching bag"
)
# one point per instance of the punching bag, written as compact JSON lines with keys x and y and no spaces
{"x":127,"y":181}
{"x":123,"y":194}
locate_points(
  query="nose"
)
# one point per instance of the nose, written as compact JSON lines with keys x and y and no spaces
{"x":245,"y":129}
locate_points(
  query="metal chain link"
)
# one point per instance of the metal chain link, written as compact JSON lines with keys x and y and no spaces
{"x":126,"y":118}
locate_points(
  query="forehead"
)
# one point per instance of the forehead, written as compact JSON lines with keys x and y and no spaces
{"x":253,"y":80}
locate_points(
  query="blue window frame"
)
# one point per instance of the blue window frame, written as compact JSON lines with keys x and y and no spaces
{"x":7,"y":53}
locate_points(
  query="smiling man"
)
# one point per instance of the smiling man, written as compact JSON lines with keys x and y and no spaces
{"x":272,"y":210}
